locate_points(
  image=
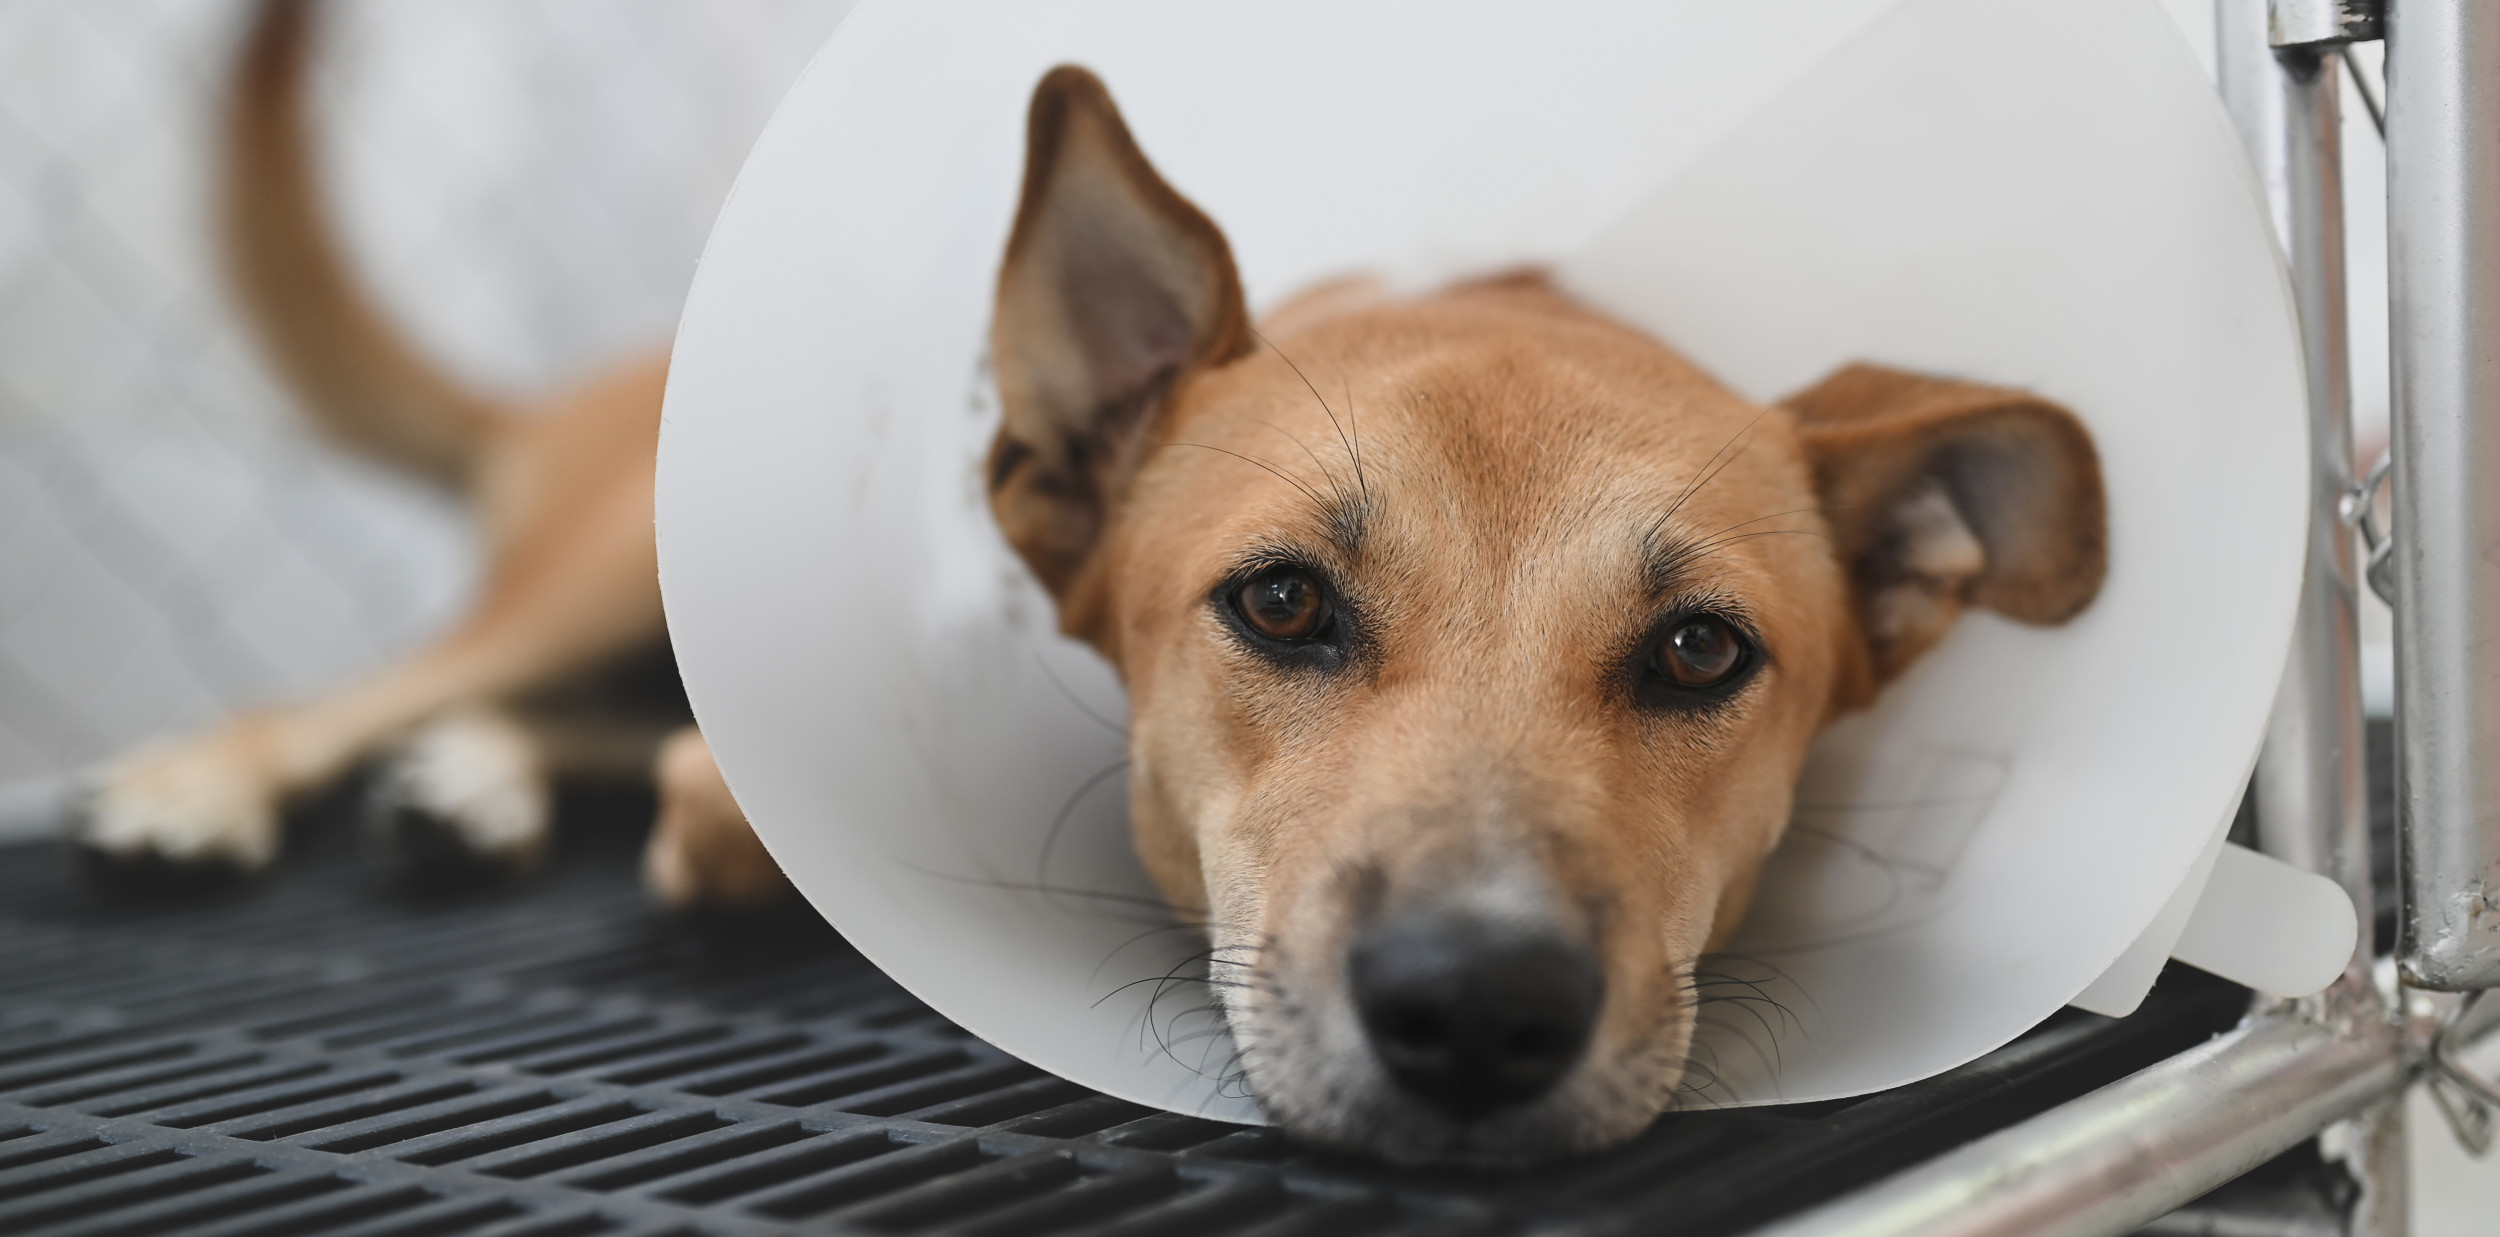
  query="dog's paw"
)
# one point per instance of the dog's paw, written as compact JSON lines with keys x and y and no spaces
{"x":180,"y":812}
{"x":702,"y":853}
{"x":464,"y":798}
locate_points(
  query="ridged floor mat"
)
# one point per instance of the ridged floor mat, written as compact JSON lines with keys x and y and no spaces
{"x":316,"y":1053}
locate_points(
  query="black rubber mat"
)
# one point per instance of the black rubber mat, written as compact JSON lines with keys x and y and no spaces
{"x":318,"y":1053}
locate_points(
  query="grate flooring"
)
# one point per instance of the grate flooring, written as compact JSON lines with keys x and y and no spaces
{"x":320,"y":1053}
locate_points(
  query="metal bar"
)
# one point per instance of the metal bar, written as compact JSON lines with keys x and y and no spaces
{"x":2312,"y":781}
{"x":2119,"y":1157}
{"x":2374,"y":1152}
{"x":2278,"y":64}
{"x":2124,"y":1155}
{"x":2443,"y":210}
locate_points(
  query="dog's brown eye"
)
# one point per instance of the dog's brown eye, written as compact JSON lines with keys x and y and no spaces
{"x":1284,"y":604}
{"x":1700,"y":652}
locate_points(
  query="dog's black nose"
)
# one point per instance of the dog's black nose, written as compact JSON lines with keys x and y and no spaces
{"x":1472,"y":1016}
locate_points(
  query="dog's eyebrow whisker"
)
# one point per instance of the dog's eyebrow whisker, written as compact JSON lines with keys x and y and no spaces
{"x":1347,"y":442}
{"x":1335,"y":486}
{"x":1723,"y":542}
{"x":1356,"y":429}
{"x":1712,"y":467}
{"x":1669,"y":556}
{"x":1817,"y":509}
{"x":1280,"y":474}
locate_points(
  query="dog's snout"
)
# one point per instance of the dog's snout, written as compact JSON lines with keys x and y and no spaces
{"x":1472,"y":1016}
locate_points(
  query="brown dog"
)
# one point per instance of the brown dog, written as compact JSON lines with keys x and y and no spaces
{"x":560,"y":665}
{"x":1473,"y":642}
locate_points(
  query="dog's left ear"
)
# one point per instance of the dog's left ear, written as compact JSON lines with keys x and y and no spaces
{"x":1942,"y":494}
{"x":1114,"y":290}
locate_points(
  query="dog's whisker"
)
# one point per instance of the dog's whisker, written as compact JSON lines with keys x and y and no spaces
{"x":1280,"y":474}
{"x":1773,"y":973}
{"x":1334,"y":486}
{"x":1069,"y":694}
{"x":1769,"y":1031}
{"x":1712,"y":467}
{"x":1709,"y":546}
{"x":1355,"y":428}
{"x":1342,"y":437}
{"x":1067,"y":891}
{"x":1059,"y":823}
{"x":1816,"y":509}
{"x":1891,"y":805}
{"x":1200,"y":927}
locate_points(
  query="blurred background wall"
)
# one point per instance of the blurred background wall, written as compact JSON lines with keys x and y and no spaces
{"x":526,"y":183}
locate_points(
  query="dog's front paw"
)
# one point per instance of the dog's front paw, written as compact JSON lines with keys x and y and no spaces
{"x":702,"y":853}
{"x":178,"y":812}
{"x":464,"y":798}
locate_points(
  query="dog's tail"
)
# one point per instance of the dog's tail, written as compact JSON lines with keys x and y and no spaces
{"x":363,"y":382}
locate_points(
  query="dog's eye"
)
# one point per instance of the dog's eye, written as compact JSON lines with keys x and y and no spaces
{"x":1283,"y":604}
{"x":1700,"y":651}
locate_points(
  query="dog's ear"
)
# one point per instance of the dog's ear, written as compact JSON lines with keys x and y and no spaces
{"x":1114,"y":289}
{"x":1941,"y":494}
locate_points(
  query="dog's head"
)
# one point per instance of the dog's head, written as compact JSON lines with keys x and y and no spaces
{"x":1473,"y":642}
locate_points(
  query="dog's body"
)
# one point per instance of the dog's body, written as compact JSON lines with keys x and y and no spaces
{"x":1474,"y":642}
{"x":525,"y":685}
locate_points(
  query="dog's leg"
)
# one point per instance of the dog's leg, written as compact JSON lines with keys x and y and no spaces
{"x":200,"y":803}
{"x":214,"y":801}
{"x":467,"y":792}
{"x":572,"y":585}
{"x":702,"y":852}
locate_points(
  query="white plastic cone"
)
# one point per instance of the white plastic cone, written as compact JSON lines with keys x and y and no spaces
{"x":2031,"y":192}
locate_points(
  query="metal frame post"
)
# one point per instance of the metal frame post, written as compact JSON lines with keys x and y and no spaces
{"x":2443,"y":212}
{"x":2312,"y":782}
{"x":2279,"y":78}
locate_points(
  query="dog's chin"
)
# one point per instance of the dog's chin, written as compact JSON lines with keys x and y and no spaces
{"x":1383,"y":1123}
{"x":1351,"y":1105}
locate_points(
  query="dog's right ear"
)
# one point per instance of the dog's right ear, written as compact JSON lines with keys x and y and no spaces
{"x":1114,"y":290}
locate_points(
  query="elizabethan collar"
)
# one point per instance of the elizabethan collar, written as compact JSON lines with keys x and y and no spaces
{"x":2027,"y":192}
